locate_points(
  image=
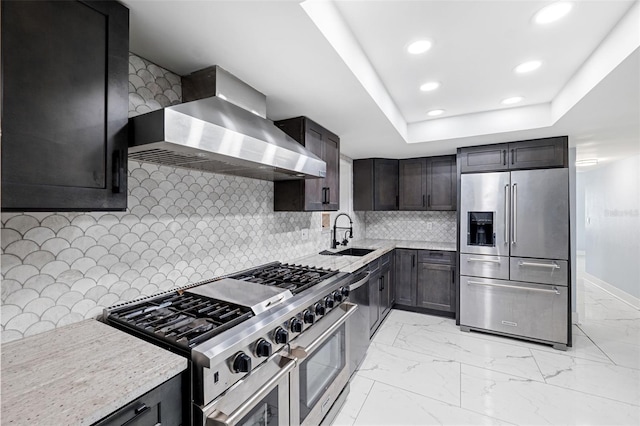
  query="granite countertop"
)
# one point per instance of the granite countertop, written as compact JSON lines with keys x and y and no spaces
{"x":353,"y":263}
{"x":78,"y":374}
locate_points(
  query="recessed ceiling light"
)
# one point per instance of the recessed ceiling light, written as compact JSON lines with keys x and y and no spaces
{"x":588,"y":162}
{"x":512,"y":100}
{"x":435,"y":112}
{"x":552,"y":12}
{"x":418,"y":47}
{"x":432,"y":85}
{"x":527,"y":67}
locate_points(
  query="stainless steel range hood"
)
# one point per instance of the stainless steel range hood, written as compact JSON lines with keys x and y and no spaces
{"x":221,"y":128}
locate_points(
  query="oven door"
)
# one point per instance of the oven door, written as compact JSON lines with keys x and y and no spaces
{"x":261,"y":398}
{"x":323,"y":369}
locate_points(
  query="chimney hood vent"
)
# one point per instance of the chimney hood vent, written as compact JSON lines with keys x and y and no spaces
{"x":221,"y":128}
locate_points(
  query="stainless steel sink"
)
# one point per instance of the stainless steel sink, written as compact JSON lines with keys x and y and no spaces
{"x":354,"y":251}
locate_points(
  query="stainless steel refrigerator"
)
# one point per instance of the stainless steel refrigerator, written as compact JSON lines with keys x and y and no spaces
{"x":514,"y":254}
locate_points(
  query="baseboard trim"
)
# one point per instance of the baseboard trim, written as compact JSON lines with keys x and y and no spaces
{"x":614,"y":291}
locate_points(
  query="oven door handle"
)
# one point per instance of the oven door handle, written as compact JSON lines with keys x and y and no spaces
{"x":360,"y":282}
{"x":222,"y":419}
{"x":301,"y":352}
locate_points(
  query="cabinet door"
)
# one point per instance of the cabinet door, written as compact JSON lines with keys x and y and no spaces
{"x":374,"y":301}
{"x":405,"y":277}
{"x":332,"y":181}
{"x":436,"y":288}
{"x":385,"y":184}
{"x":363,"y":184}
{"x":162,"y":404}
{"x":413,"y":184}
{"x":314,"y":194}
{"x":547,"y":152}
{"x":441,"y":183}
{"x":484,"y":158}
{"x":64,"y":105}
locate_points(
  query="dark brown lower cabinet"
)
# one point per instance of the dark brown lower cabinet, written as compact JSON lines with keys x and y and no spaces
{"x":381,"y":290}
{"x":162,"y":405}
{"x":425,"y":279}
{"x":406,"y":277}
{"x":436,"y":287}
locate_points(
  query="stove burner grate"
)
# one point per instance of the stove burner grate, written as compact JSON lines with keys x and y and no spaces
{"x":295,"y":278}
{"x":185,"y":320}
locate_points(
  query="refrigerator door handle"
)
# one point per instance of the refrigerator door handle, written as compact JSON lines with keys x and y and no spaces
{"x":506,"y":214}
{"x":514,"y":214}
{"x":553,"y":290}
{"x":552,"y":265}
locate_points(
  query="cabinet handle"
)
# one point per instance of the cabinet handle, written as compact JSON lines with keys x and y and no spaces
{"x":141,"y":409}
{"x":512,"y":157}
{"x":397,"y":201}
{"x":117,"y":172}
{"x":382,"y":281}
{"x":423,"y":205}
{"x":504,"y":157}
{"x":328,"y":194}
{"x":453,"y":276}
{"x":413,"y":260}
{"x":429,"y":200}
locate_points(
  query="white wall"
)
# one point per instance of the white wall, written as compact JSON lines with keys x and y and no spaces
{"x":612,"y":223}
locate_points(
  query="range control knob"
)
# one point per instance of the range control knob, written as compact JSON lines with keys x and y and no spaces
{"x":344,"y":291}
{"x":308,"y":317}
{"x":263,"y":348}
{"x":328,"y":302}
{"x":242,"y":363}
{"x":320,"y":310}
{"x":337,"y":296}
{"x":296,"y":325}
{"x":281,"y":336}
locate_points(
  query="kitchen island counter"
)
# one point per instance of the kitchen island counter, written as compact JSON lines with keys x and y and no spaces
{"x":79,"y":373}
{"x":353,"y":263}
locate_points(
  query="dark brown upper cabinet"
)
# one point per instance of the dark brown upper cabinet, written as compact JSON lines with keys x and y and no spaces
{"x":311,"y":194}
{"x":375,"y":184}
{"x":64,"y":105}
{"x":428,"y":183}
{"x":529,"y":154}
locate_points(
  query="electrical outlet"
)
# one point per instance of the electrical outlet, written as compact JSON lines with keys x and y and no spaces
{"x":304,"y":234}
{"x":429,"y":226}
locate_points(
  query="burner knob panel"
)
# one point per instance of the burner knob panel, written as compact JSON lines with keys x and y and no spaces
{"x":337,"y":296}
{"x":242,"y":363}
{"x":328,"y":302}
{"x":308,"y":317}
{"x":281,"y":336}
{"x":320,"y":310}
{"x":263,"y":348}
{"x":344,"y":291}
{"x":296,"y":325}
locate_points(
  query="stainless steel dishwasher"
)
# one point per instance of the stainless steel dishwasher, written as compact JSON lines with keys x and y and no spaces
{"x":359,"y":322}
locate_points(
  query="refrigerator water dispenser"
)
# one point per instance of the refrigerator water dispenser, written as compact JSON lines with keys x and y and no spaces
{"x":481,"y":232}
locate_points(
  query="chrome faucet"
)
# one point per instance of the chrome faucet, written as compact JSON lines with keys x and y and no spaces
{"x":334,"y":241}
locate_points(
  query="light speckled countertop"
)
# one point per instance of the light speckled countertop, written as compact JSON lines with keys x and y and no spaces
{"x":353,"y":263}
{"x":78,"y":374}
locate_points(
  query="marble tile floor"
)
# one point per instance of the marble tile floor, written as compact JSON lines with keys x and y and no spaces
{"x":421,"y":370}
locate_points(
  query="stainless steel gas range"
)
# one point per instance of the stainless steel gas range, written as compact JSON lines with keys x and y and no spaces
{"x":266,"y":346}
